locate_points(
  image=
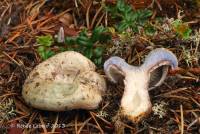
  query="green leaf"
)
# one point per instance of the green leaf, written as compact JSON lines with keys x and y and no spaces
{"x":122,"y":26}
{"x":70,"y":40}
{"x":84,"y":41}
{"x":62,"y":49}
{"x":145,"y":13}
{"x":49,"y":53}
{"x":46,"y":40}
{"x":176,"y":23}
{"x":70,"y":49}
{"x":121,"y":5}
{"x":182,"y":29}
{"x":96,"y":33}
{"x":135,"y":28}
{"x":129,"y":18}
{"x":41,"y":49}
{"x":99,"y":34}
{"x":83,"y":33}
{"x":187,"y":33}
{"x":98,"y":61}
{"x":89,"y":53}
{"x":45,"y":52}
{"x":149,"y":30}
{"x":98,"y":52}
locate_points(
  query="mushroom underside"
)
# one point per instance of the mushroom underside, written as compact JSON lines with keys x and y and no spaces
{"x":116,"y":74}
{"x":158,"y":75}
{"x":135,"y":102}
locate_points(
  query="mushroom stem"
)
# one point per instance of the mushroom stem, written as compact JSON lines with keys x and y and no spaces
{"x":135,"y":100}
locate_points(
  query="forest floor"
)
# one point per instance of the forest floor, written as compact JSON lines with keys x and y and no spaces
{"x":29,"y":34}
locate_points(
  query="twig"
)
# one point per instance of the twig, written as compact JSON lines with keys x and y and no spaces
{"x":100,"y":19}
{"x":196,"y":102}
{"x":96,"y":123}
{"x":127,"y":126}
{"x":182,"y":119}
{"x":18,"y":118}
{"x":76,"y":126}
{"x":158,"y":4}
{"x":107,"y":122}
{"x":9,"y":94}
{"x":43,"y":125}
{"x":178,"y":97}
{"x":106,"y":18}
{"x":55,"y":124}
{"x":187,"y":77}
{"x":172,"y":92}
{"x":188,"y":111}
{"x":84,"y":123}
{"x":192,"y":123}
{"x":54,"y":17}
{"x":11,"y":59}
{"x":31,"y":119}
{"x":88,"y":16}
{"x":95,"y":16}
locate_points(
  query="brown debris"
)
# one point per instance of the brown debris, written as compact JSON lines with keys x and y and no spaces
{"x":22,"y":21}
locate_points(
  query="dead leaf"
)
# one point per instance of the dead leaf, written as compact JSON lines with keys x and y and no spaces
{"x":71,"y":31}
{"x":66,"y":19}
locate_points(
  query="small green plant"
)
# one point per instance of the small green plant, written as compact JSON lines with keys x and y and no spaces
{"x":149,"y":30}
{"x":45,"y":43}
{"x":128,"y":17}
{"x":89,"y":45}
{"x":182,"y":29}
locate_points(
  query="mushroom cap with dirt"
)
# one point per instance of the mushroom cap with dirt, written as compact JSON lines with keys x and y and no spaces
{"x":135,"y":102}
{"x":63,"y":82}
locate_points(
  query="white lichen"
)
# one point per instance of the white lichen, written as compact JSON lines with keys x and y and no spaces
{"x":160,"y":109}
{"x":7,"y":110}
{"x":103,"y":114}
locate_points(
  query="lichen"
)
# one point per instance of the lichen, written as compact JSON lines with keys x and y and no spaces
{"x":102,"y":113}
{"x":7,"y":110}
{"x":160,"y":109}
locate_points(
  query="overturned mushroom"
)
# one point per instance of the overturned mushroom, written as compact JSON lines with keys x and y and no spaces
{"x":135,"y":102}
{"x":65,"y":81}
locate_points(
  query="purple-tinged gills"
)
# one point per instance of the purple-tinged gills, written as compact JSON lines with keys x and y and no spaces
{"x":138,"y":80}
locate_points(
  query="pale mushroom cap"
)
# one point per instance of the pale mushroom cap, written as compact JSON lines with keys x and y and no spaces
{"x":61,"y":64}
{"x":64,"y":81}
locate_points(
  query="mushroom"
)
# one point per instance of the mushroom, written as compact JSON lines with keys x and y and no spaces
{"x":63,"y":82}
{"x":135,"y":102}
